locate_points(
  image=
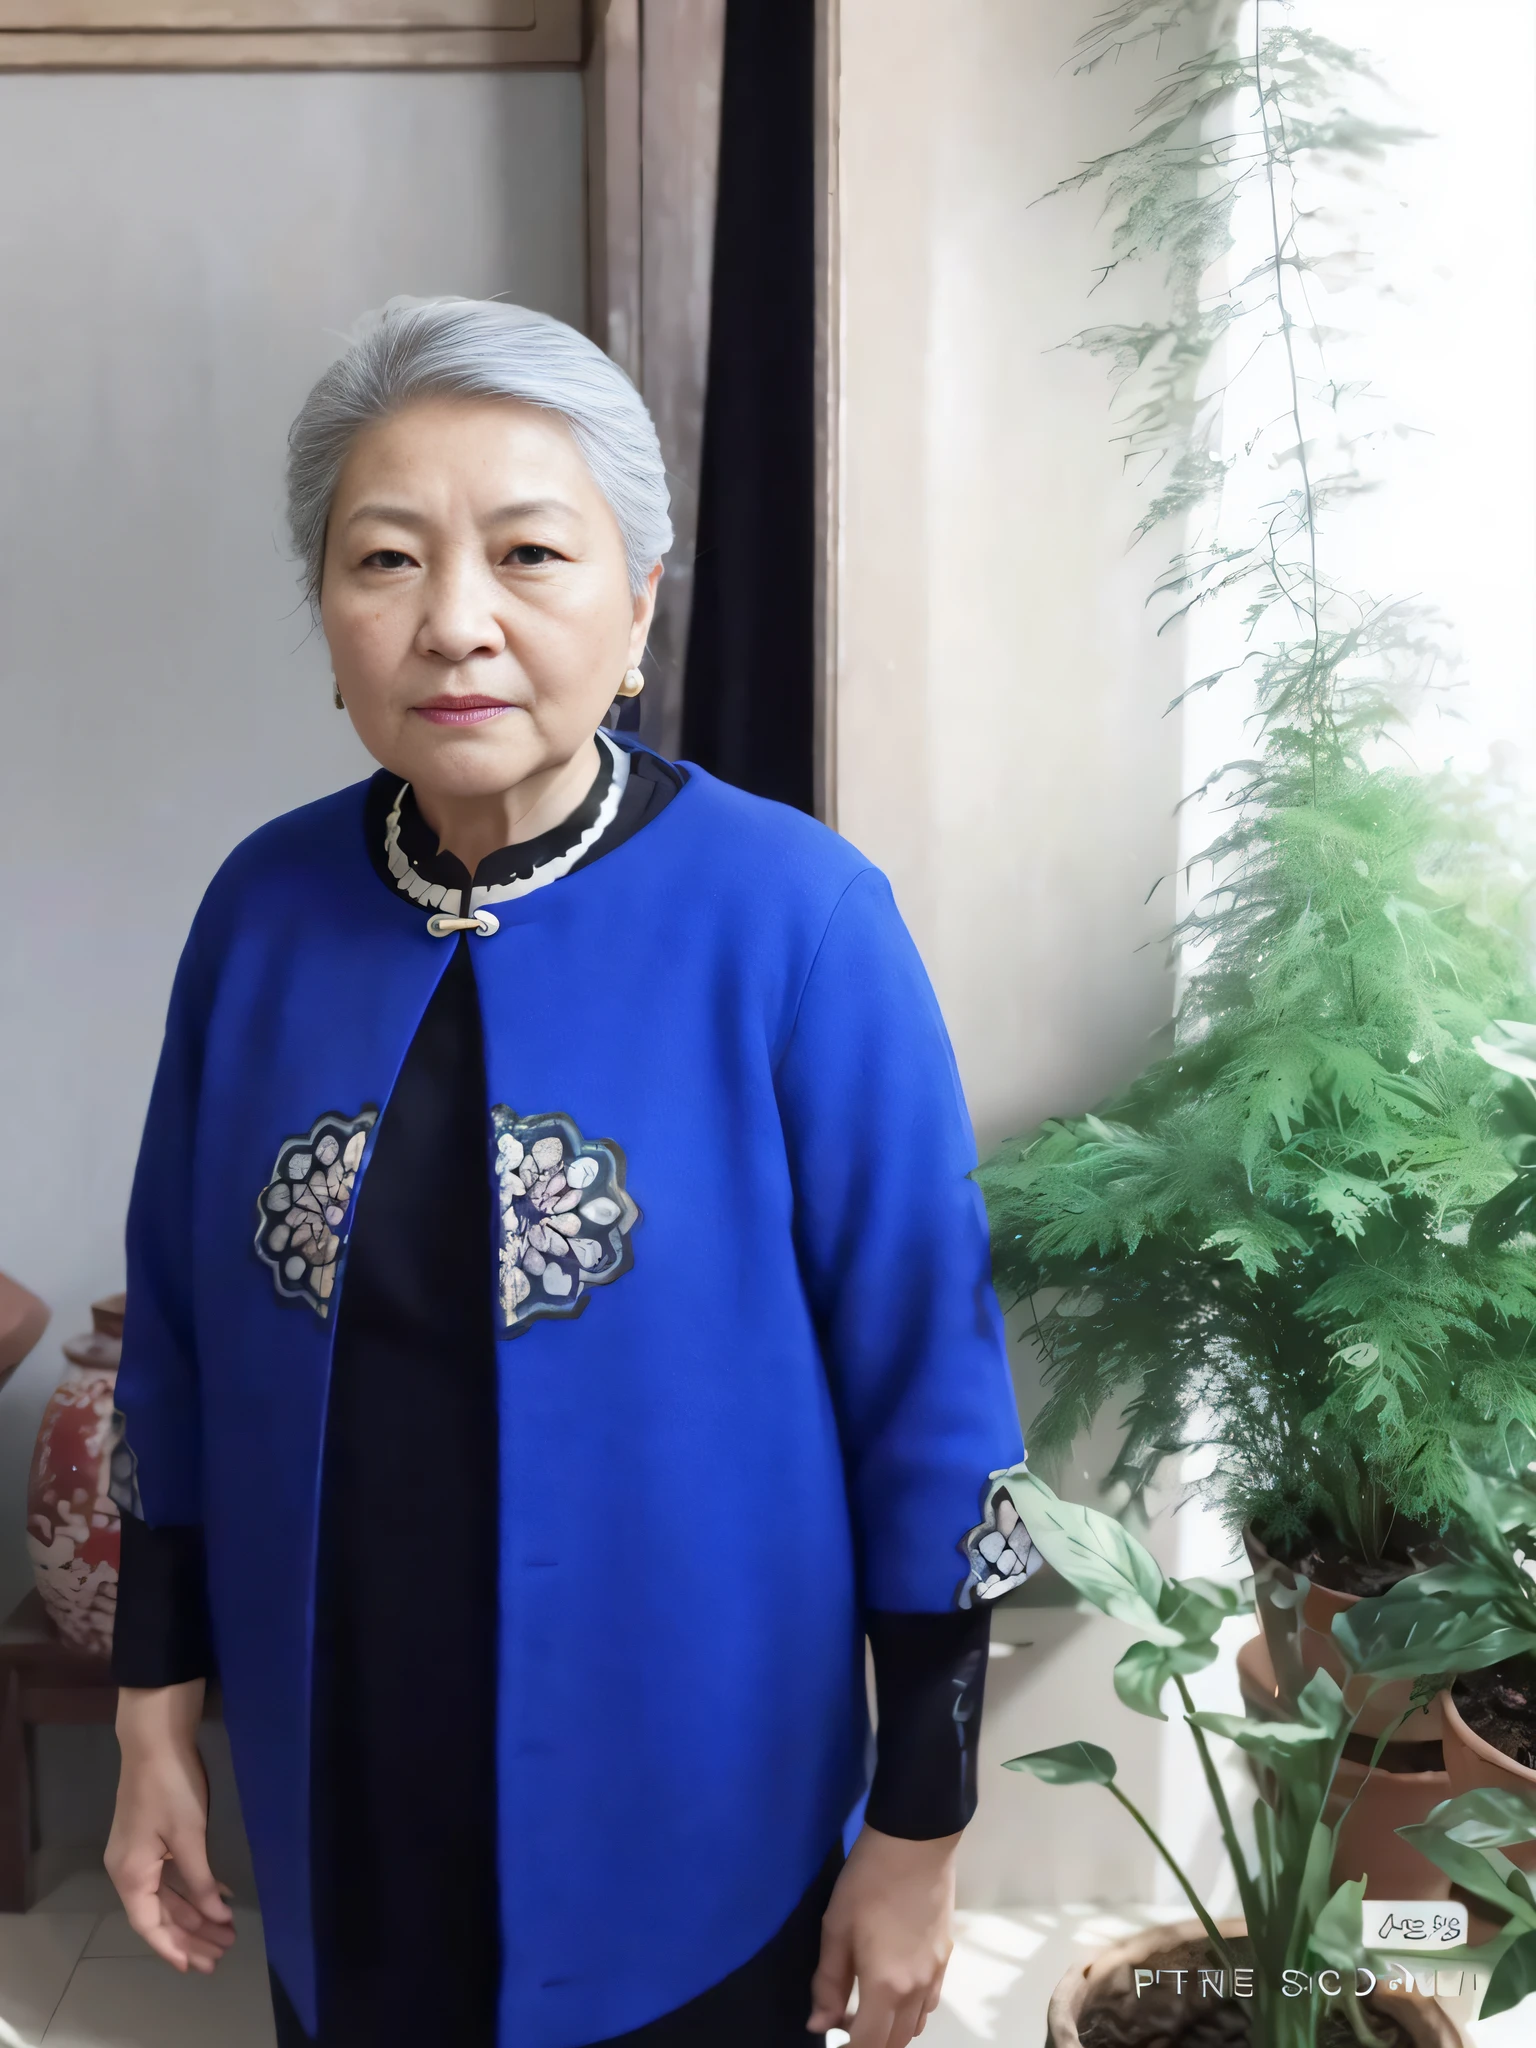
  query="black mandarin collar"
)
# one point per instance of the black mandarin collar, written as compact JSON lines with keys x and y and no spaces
{"x":418,"y":842}
{"x":404,"y":849}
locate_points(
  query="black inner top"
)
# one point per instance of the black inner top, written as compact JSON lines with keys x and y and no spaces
{"x":404,"y":1823}
{"x":403,"y":1814}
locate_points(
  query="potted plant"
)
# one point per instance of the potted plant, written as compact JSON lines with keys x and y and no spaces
{"x":1472,"y":1621}
{"x":1295,"y":1965}
{"x":1263,"y":1246}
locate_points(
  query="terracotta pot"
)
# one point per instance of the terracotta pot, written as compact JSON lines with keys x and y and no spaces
{"x":1426,"y":2022}
{"x":1379,"y":1802}
{"x":1299,"y":1633}
{"x":74,"y":1531}
{"x":1369,"y":1845}
{"x":1472,"y":1763}
{"x":23,"y":1319}
{"x":1256,"y":1680}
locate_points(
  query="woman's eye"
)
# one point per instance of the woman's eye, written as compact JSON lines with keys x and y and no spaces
{"x":531,"y":556}
{"x":386,"y":558}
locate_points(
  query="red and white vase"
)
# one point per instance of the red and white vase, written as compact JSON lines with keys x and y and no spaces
{"x":74,"y":1530}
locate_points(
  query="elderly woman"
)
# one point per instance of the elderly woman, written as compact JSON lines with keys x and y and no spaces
{"x":560,"y":1327}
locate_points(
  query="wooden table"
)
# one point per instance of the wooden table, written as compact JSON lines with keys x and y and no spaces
{"x":42,"y":1679}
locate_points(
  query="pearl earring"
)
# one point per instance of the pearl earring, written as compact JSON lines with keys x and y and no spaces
{"x":632,"y":684}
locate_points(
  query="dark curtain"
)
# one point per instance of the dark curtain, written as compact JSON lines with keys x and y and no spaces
{"x":748,"y":707}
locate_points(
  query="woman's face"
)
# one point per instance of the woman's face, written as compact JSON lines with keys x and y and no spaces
{"x":475,"y":595}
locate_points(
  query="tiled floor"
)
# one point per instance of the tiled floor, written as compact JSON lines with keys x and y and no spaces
{"x":73,"y":1976}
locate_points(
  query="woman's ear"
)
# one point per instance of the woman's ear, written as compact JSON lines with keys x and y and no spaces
{"x":645,"y":611}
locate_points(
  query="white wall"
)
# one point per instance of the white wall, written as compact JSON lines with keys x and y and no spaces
{"x":177,"y":256}
{"x":1435,"y":324}
{"x":1001,"y":748}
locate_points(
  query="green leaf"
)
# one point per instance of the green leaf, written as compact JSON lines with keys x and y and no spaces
{"x":1256,"y":1241}
{"x":1427,"y":1688}
{"x":1472,"y":1581}
{"x":1074,"y":1763}
{"x":1514,"y":1977}
{"x":1315,"y":1888}
{"x":1095,"y":1555}
{"x":1479,"y":1506}
{"x":1337,"y":1934}
{"x":1514,"y":1052}
{"x":1410,"y":1095}
{"x":1193,"y":1610}
{"x":1486,"y":1876}
{"x":1197,"y":1607}
{"x":1509,"y":1213}
{"x":1321,"y":1704}
{"x":1348,"y":1200}
{"x":1276,"y":1743}
{"x":1489,"y":1818}
{"x":1511,"y":1501}
{"x":1146,"y":1668}
{"x":1432,"y":1627}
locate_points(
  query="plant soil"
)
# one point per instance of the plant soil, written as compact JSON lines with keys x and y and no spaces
{"x":1328,"y":1560}
{"x":1500,"y":1705}
{"x":1328,"y":1563}
{"x":1161,"y":2018}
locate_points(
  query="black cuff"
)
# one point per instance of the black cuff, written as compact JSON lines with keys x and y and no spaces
{"x":930,"y":1672}
{"x":162,"y":1634}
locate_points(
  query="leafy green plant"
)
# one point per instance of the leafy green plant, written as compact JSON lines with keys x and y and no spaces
{"x":1464,"y":1837}
{"x":1297,"y":1920}
{"x":1510,"y":1216}
{"x":1476,"y":1609}
{"x":1292,"y":1238}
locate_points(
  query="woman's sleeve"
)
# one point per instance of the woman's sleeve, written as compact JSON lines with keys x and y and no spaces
{"x":161,"y":1635}
{"x":892,"y":1240}
{"x":930,"y":1676}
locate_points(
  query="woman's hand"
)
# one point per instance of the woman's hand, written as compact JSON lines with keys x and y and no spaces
{"x":888,"y":1924}
{"x":157,"y":1853}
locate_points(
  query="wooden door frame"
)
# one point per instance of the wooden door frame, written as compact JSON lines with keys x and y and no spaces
{"x":645,"y":138}
{"x":829,"y":382}
{"x":290,"y":35}
{"x":653,"y":122}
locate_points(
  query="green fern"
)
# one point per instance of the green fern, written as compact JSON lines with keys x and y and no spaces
{"x":1277,"y":1241}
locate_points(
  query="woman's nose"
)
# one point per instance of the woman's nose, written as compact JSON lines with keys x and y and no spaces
{"x":460,"y":620}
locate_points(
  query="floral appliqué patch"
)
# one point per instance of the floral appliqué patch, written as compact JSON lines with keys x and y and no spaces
{"x":302,"y":1211}
{"x":565,"y":1215}
{"x":1001,"y":1554}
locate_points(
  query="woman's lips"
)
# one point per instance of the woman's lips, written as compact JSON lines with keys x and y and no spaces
{"x":460,"y":710}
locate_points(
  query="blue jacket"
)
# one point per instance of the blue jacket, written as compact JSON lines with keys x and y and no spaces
{"x":751,"y":1374}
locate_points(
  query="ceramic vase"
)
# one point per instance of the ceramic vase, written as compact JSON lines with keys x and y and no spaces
{"x":74,"y":1531}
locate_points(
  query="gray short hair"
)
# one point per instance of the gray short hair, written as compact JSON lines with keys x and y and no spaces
{"x":480,"y":348}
